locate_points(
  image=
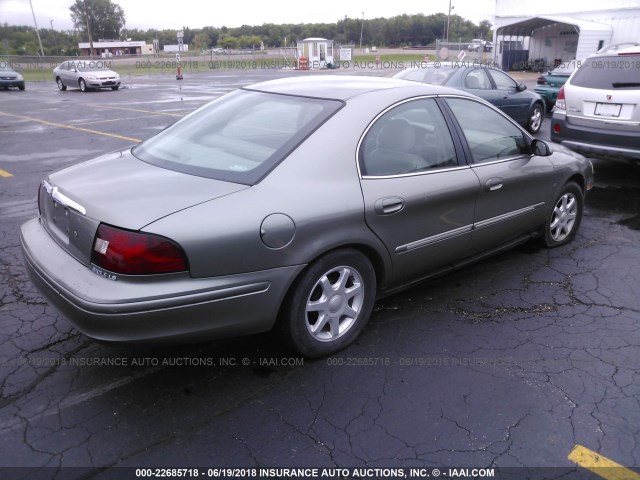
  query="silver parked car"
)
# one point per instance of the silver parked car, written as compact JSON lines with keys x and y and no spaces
{"x":86,"y":75}
{"x":294,"y":203}
{"x":597,"y":110}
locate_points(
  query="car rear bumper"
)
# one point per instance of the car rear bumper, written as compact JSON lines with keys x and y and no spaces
{"x":597,"y":141}
{"x":549,"y":94}
{"x":161,"y":308}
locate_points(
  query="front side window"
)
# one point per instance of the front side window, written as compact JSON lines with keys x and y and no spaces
{"x":239,"y":137}
{"x":490,"y":136}
{"x":411,"y":137}
{"x":503,"y":81}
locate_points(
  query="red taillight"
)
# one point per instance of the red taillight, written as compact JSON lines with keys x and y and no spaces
{"x":134,"y":253}
{"x":542,"y":80}
{"x":556,"y":128}
{"x":560,"y":101}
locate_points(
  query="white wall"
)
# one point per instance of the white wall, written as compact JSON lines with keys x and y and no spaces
{"x":554,"y":42}
{"x":506,"y":8}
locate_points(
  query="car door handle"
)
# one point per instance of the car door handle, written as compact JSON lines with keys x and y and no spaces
{"x":389,"y":205}
{"x":493,"y":184}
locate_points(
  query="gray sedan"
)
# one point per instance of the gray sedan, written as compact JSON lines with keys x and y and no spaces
{"x":86,"y":75}
{"x":294,"y":204}
{"x":490,"y":84}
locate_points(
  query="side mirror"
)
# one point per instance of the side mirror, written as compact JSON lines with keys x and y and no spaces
{"x":521,"y":87}
{"x":540,"y":148}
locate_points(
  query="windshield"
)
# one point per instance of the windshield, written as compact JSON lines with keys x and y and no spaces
{"x":616,"y":71}
{"x":239,"y":137}
{"x":4,"y":67}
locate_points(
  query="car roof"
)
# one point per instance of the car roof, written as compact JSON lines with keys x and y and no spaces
{"x":344,"y":87}
{"x":634,"y":50}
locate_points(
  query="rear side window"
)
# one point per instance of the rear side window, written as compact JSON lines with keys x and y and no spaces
{"x":609,"y":72}
{"x":411,"y":137}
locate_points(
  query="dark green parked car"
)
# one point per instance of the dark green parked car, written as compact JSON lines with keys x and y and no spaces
{"x":549,"y":83}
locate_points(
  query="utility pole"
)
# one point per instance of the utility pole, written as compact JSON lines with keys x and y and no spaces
{"x":361,"y":30}
{"x":86,"y":16}
{"x":53,"y":37}
{"x":448,"y":19}
{"x":37,"y":31}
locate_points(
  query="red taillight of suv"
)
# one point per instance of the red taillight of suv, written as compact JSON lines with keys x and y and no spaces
{"x":560,"y":102}
{"x":135,"y":253}
{"x":542,"y":80}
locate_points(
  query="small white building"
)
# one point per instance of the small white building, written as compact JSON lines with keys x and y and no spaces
{"x":550,"y":30}
{"x":110,"y":48}
{"x":317,"y":51}
{"x":176,"y":48}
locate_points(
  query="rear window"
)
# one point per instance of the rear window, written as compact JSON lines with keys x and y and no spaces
{"x":239,"y":137}
{"x":610,"y":72}
{"x":430,"y":74}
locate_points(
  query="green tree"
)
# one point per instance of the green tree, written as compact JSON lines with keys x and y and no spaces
{"x":202,"y":41}
{"x":106,"y":19}
{"x":228,"y":41}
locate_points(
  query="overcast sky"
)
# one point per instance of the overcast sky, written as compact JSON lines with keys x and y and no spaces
{"x":174,"y":14}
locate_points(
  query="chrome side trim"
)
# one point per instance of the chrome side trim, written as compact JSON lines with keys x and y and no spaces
{"x":415,"y":174}
{"x":491,"y":221}
{"x":62,"y":199}
{"x":466,"y":229}
{"x":434,"y":239}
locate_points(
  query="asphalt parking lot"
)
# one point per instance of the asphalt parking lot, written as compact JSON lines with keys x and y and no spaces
{"x":510,"y":363}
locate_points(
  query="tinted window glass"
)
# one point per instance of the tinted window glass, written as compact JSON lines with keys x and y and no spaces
{"x":438,"y":75}
{"x":607,"y":72}
{"x":503,"y":81}
{"x":429,"y":74}
{"x":477,"y":79}
{"x":490,"y":136}
{"x":416,"y":75}
{"x":409,"y":138}
{"x":237,"y":138}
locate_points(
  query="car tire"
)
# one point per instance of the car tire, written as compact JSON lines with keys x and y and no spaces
{"x":83,"y":85}
{"x":329,"y":305}
{"x":61,"y":86}
{"x":565,"y":218}
{"x":536,"y":115}
{"x":115,"y":88}
{"x":21,"y":87}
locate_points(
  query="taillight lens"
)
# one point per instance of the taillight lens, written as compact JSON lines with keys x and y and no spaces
{"x":135,"y":253}
{"x":542,"y":80}
{"x":560,"y":102}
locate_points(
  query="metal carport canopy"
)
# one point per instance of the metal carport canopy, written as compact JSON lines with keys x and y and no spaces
{"x":590,"y":33}
{"x":526,"y":28}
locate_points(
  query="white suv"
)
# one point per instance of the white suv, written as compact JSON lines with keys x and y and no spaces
{"x":598,"y":108}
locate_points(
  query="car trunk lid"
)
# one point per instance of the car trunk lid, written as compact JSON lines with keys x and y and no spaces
{"x":120,"y":190}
